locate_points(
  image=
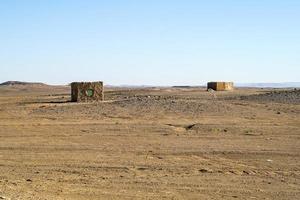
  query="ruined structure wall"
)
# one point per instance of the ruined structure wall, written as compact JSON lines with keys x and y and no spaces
{"x":220,"y":86}
{"x":87,"y":91}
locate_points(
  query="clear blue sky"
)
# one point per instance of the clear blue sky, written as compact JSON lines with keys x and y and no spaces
{"x":156,"y":42}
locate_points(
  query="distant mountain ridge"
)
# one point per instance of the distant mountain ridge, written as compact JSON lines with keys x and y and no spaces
{"x":270,"y":85}
{"x":17,"y":83}
{"x":254,"y":85}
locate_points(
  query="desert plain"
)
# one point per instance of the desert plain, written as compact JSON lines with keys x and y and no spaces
{"x":149,"y":143}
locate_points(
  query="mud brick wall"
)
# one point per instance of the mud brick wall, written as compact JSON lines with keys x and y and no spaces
{"x":87,"y":91}
{"x":220,"y":86}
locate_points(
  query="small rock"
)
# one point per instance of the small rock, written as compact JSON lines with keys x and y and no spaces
{"x":278,"y":113}
{"x":29,"y":180}
{"x":206,"y":171}
{"x":248,"y":172}
{"x":236,"y":172}
{"x":142,"y":168}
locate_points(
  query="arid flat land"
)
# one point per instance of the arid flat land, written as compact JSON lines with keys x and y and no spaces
{"x":150,"y":143}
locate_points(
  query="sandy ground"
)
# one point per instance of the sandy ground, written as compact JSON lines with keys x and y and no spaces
{"x":156,"y":143}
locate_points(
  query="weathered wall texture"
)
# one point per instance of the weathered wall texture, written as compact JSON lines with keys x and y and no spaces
{"x":220,"y":86}
{"x":87,"y":91}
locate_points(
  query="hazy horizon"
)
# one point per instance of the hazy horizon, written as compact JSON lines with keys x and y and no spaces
{"x":262,"y":85}
{"x":150,"y":43}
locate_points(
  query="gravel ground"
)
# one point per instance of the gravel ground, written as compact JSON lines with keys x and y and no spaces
{"x":286,"y":96}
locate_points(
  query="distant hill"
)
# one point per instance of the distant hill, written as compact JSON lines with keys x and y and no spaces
{"x":13,"y":88}
{"x":20,"y":83}
{"x":254,"y":85}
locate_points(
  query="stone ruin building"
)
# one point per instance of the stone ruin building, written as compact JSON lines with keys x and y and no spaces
{"x":220,"y":86}
{"x":87,"y":91}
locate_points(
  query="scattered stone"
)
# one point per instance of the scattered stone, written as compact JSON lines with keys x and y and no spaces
{"x":205,"y":170}
{"x":142,"y":168}
{"x":236,"y":172}
{"x":189,"y":127}
{"x":284,"y":96}
{"x":249,"y":172}
{"x":29,"y":180}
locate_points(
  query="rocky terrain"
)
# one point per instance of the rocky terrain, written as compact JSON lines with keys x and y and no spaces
{"x":282,"y":96}
{"x":149,"y":143}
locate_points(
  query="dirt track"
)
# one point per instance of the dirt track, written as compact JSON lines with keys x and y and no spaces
{"x":168,"y":143}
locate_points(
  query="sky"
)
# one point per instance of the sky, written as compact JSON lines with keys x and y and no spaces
{"x":143,"y":42}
